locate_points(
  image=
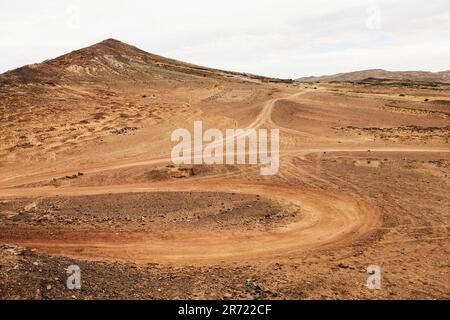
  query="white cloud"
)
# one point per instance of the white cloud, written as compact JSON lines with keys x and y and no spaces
{"x":284,"y":38}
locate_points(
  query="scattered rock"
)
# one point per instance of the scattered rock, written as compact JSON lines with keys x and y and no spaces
{"x":14,"y":250}
{"x":249,"y":284}
{"x":30,"y":206}
{"x":9,"y":214}
{"x":37,"y":295}
{"x":125,"y":130}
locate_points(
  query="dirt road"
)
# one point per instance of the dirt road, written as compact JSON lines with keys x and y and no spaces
{"x":327,"y":219}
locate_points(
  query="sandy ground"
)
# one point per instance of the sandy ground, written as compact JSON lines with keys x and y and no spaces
{"x":87,"y":179}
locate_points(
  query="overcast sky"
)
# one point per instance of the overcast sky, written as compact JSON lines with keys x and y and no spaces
{"x":281,"y":38}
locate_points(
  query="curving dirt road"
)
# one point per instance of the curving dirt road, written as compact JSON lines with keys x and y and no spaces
{"x":328,"y":218}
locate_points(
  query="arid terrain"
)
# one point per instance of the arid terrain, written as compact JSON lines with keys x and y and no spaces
{"x":86,"y":179}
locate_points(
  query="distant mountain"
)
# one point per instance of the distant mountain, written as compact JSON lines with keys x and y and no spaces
{"x":443,"y":76}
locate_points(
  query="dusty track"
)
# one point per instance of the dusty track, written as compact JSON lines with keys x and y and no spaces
{"x":326,"y":219}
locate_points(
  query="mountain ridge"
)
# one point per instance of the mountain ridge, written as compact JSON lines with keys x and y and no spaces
{"x":360,"y":75}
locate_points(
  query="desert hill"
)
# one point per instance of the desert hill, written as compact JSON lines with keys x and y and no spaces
{"x":107,"y":88}
{"x":113,"y":59}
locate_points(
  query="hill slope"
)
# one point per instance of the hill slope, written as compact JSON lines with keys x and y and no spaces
{"x":86,"y":94}
{"x":111,"y":59}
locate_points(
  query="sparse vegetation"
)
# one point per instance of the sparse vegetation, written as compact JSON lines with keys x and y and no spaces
{"x":86,"y":172}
